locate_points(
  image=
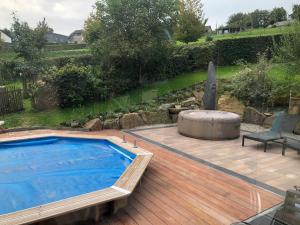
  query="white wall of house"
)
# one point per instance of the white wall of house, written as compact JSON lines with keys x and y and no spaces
{"x":4,"y":37}
{"x":77,"y":39}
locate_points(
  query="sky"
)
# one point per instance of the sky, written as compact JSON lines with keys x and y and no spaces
{"x":65,"y":16}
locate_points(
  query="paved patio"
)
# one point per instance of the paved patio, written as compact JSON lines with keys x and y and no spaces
{"x":179,"y":190}
{"x":270,"y":168}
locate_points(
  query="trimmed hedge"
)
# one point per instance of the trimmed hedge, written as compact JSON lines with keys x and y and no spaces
{"x":227,"y":52}
{"x":50,"y":47}
{"x":61,"y":47}
{"x":222,"y":52}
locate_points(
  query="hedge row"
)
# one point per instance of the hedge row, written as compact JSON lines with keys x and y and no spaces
{"x":61,"y":47}
{"x":9,"y":69}
{"x":222,"y":52}
{"x":50,"y":47}
{"x":183,"y":59}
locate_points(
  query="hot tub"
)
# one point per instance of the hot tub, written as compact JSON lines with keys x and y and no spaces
{"x":209,"y":124}
{"x":48,"y":176}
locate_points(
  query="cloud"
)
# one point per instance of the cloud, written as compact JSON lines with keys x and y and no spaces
{"x":218,"y":11}
{"x":65,"y":16}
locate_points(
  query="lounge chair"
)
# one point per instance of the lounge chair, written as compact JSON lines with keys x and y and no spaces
{"x":1,"y":124}
{"x":289,"y":213}
{"x":267,"y":136}
{"x":291,"y":141}
{"x":283,"y":124}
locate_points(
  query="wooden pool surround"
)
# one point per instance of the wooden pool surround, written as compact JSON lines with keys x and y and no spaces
{"x":118,"y":192}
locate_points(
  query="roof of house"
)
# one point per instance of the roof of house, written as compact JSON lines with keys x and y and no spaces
{"x":76,"y":32}
{"x":56,"y":38}
{"x":2,"y":31}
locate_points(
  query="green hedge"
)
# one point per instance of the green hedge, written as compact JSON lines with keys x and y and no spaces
{"x":222,"y":52}
{"x":61,"y":47}
{"x":50,"y":47}
{"x":227,"y":52}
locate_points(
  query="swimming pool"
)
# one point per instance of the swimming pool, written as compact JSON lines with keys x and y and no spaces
{"x":44,"y":171}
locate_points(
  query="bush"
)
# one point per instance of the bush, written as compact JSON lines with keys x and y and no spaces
{"x":209,"y":38}
{"x":8,"y":71}
{"x":253,"y":85}
{"x":73,"y":85}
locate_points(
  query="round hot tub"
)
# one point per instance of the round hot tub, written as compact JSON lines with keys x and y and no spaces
{"x":209,"y":124}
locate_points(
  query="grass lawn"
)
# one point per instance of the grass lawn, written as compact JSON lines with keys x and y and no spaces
{"x":250,"y":33}
{"x":29,"y":118}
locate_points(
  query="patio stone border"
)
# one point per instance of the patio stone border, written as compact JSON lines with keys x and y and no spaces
{"x":204,"y":162}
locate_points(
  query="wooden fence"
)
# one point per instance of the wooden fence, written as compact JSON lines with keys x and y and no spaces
{"x":11,"y":100}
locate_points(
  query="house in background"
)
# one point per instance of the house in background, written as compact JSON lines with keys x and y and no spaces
{"x":4,"y":37}
{"x":208,"y":30}
{"x":76,"y":37}
{"x":229,"y":30}
{"x":56,"y":38}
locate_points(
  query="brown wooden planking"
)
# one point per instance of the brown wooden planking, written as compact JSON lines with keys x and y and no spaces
{"x":159,"y":195}
{"x":250,"y":161}
{"x":127,"y":183}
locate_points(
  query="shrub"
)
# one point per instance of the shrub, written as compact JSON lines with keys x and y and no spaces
{"x":209,"y":38}
{"x":9,"y":71}
{"x":282,"y":89}
{"x":253,"y":85}
{"x":74,"y":85}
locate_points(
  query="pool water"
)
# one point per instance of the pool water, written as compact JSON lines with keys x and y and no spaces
{"x":40,"y":171}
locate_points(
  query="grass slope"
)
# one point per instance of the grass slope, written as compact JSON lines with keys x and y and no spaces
{"x":29,"y":118}
{"x":250,"y":33}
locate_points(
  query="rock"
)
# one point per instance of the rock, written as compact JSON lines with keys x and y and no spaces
{"x":198,"y":95}
{"x":174,"y":118}
{"x":231,"y":104}
{"x":251,"y":115}
{"x":267,"y":114}
{"x":160,"y":117}
{"x":297,"y":128}
{"x":111,"y":124}
{"x":165,"y":107}
{"x":269,"y":121}
{"x":131,"y":120}
{"x":194,"y":107}
{"x":190,"y":101}
{"x":177,"y":110}
{"x":74,"y":124}
{"x":94,"y":125}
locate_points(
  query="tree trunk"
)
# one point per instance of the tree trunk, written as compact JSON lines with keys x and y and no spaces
{"x":140,"y":75}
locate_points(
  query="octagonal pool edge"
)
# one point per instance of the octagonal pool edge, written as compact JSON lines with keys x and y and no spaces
{"x":107,"y":199}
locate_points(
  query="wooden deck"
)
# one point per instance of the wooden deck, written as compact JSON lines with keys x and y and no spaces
{"x":282,"y":172}
{"x":177,"y":190}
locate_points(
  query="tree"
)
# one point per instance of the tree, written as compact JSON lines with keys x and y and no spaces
{"x":191,"y":22}
{"x":296,"y":12}
{"x":39,"y":33}
{"x":28,"y":44}
{"x":278,"y":15}
{"x":128,"y":35}
{"x":239,"y":20}
{"x":260,"y":18}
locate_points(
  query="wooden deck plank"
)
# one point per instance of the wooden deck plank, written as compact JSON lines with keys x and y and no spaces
{"x":177,"y":190}
{"x":270,"y":167}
